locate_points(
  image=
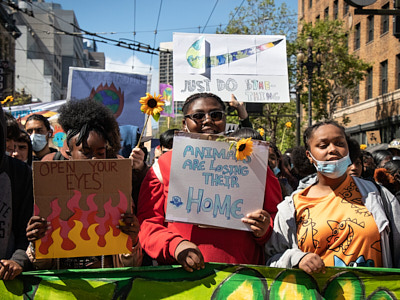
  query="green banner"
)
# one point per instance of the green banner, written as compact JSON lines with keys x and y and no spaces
{"x":216,"y":281}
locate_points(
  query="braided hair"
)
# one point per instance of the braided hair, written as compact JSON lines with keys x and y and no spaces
{"x":193,"y":97}
{"x":80,"y":117}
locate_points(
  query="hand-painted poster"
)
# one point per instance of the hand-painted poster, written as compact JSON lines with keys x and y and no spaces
{"x":83,"y":201}
{"x":119,"y":91}
{"x":252,"y":67}
{"x":166,"y":90}
{"x":209,"y":186}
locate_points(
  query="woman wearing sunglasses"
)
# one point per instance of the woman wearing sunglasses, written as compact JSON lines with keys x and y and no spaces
{"x":188,"y":244}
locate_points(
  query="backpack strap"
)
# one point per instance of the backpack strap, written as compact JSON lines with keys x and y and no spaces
{"x":157,"y":171}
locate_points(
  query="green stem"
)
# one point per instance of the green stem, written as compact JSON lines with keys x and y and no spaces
{"x":283,"y":138}
{"x":144,"y":127}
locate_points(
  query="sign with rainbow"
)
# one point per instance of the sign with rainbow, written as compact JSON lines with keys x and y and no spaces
{"x":252,"y":67}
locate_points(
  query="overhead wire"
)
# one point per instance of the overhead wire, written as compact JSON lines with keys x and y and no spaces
{"x":155,"y":33}
{"x":209,"y":17}
{"x":137,"y":46}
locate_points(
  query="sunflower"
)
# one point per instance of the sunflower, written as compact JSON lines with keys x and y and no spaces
{"x":151,"y":105}
{"x":288,"y":125}
{"x":244,"y":148}
{"x":261,"y":131}
{"x":7,"y":99}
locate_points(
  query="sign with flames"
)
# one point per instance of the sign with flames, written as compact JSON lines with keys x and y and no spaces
{"x":83,"y":202}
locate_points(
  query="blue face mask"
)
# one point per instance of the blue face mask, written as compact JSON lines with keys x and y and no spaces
{"x":333,"y":169}
{"x":276,"y":170}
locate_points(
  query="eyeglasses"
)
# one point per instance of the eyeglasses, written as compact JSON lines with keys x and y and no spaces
{"x":215,"y":115}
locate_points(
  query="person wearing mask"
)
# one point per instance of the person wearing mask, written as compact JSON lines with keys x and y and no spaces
{"x":188,"y":244}
{"x":338,"y":220}
{"x":39,"y":130}
{"x":16,"y":207}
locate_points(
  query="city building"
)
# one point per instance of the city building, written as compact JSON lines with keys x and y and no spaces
{"x":95,"y":60}
{"x":372,"y":38}
{"x":51,"y":42}
{"x":8,"y":35}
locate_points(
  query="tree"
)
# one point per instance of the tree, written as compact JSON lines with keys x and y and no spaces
{"x":264,"y":17}
{"x":341,"y":72}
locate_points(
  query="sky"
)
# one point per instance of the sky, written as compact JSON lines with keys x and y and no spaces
{"x":120,"y":19}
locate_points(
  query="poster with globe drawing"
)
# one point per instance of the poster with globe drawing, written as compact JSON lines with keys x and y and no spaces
{"x":252,"y":67}
{"x":117,"y":90}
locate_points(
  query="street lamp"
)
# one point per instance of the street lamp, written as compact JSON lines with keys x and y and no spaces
{"x":310,"y":64}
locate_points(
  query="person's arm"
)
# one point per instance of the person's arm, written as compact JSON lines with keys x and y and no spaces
{"x":281,"y":249}
{"x":244,"y":120}
{"x":22,"y":211}
{"x":392,"y":211}
{"x":139,"y":171}
{"x":156,"y":239}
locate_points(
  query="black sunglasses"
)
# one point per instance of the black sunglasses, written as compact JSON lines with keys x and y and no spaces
{"x":215,"y":115}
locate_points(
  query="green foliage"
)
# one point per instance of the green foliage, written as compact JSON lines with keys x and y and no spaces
{"x":264,"y":17}
{"x":341,"y":72}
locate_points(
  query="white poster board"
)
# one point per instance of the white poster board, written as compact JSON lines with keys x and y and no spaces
{"x":252,"y":67}
{"x":208,"y":186}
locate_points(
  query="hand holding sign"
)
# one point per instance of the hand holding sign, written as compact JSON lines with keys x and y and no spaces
{"x":259,"y":222}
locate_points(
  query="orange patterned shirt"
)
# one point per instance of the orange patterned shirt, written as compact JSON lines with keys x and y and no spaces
{"x":338,"y":227}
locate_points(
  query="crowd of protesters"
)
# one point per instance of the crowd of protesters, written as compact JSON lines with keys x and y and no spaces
{"x":314,"y":195}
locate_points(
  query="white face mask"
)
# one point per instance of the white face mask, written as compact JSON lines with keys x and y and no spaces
{"x":334,"y":168}
{"x":39,"y":141}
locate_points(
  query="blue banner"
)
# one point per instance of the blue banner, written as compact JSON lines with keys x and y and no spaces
{"x":120,"y":92}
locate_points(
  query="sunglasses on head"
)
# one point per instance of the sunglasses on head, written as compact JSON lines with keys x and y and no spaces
{"x":215,"y":115}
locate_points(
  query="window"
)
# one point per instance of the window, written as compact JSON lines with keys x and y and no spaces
{"x":357,"y":35}
{"x":345,"y":8}
{"x":317,"y":18}
{"x":384,"y":77}
{"x":302,"y":7}
{"x":385,"y":20}
{"x":356,"y":97}
{"x":326,"y":13}
{"x":370,"y":28}
{"x":398,"y":71}
{"x":369,"y":84}
{"x":335,"y":9}
{"x":310,"y":3}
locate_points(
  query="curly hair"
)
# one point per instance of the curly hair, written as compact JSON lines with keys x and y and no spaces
{"x":193,"y":97}
{"x":80,"y":117}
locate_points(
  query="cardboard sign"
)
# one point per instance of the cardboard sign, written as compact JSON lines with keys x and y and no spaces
{"x":373,"y":137}
{"x":83,"y":200}
{"x":208,"y":186}
{"x":253,"y":67}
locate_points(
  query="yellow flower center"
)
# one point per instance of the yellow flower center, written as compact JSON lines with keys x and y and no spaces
{"x":242,"y":147}
{"x":152,"y":103}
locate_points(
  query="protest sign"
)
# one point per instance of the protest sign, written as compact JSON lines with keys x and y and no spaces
{"x":215,"y":281}
{"x":83,"y":200}
{"x":118,"y":91}
{"x":253,"y":67}
{"x":166,"y":90}
{"x":208,"y":186}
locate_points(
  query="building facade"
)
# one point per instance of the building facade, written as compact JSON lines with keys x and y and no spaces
{"x":9,"y":33}
{"x":371,"y":38}
{"x":51,"y":42}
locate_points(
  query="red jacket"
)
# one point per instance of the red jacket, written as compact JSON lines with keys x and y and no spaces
{"x":160,"y":239}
